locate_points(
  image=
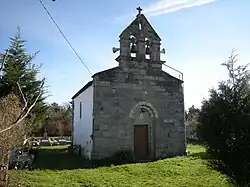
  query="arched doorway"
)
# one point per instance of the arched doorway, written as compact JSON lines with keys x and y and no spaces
{"x":143,"y":116}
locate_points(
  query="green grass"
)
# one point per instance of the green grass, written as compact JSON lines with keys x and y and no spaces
{"x":54,"y":167}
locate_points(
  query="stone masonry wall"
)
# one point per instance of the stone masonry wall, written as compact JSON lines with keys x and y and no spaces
{"x":118,"y":90}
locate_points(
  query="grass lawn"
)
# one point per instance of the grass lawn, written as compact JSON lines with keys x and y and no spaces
{"x":54,"y":167}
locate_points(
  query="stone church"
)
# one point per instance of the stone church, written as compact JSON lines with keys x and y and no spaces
{"x":135,"y":106}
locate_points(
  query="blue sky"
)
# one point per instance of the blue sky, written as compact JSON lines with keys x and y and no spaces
{"x":198,"y":36}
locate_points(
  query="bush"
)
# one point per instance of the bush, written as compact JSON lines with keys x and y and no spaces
{"x":122,"y":157}
{"x":224,"y":125}
{"x":9,"y":112}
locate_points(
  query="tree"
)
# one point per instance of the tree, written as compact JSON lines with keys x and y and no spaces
{"x":192,"y":122}
{"x":59,"y":120}
{"x":18,"y":68}
{"x":224,"y":124}
{"x":192,"y":112}
{"x":12,"y":124}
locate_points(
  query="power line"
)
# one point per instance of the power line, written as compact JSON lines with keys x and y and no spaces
{"x":60,"y":30}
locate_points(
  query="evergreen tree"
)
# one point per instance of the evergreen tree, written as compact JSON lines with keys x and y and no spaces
{"x":224,"y":124}
{"x":18,"y":68}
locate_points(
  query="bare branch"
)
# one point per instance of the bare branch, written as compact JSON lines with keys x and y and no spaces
{"x":25,"y":101}
{"x":4,"y":59}
{"x":25,"y":112}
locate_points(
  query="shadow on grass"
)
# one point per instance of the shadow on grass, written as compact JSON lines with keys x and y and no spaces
{"x":200,"y":155}
{"x":59,"y":159}
{"x":194,"y":142}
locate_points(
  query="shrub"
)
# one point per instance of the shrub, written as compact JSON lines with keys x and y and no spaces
{"x":122,"y":157}
{"x":9,"y":112}
{"x":224,"y":125}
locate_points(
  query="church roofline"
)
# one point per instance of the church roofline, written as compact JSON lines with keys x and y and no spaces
{"x":119,"y":58}
{"x":104,"y":71}
{"x":82,"y":89}
{"x":141,"y":17}
{"x":86,"y":86}
{"x":173,"y":77}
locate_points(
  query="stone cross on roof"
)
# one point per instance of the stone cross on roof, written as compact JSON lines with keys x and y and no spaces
{"x":139,"y":10}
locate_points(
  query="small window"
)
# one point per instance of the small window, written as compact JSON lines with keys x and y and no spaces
{"x":80,"y":110}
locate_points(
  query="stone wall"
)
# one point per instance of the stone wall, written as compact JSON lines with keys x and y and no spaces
{"x":118,"y":90}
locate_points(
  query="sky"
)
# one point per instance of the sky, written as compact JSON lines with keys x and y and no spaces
{"x":198,"y":35}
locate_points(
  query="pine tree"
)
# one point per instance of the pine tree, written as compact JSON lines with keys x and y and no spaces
{"x":18,"y":68}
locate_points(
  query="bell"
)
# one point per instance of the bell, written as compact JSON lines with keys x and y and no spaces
{"x":147,"y":47}
{"x":133,"y":48}
{"x":147,"y":50}
{"x":133,"y":40}
{"x":147,"y":42}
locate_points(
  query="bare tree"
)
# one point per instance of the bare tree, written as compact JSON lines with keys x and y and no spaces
{"x":12,"y":124}
{"x":3,"y":56}
{"x":25,"y":109}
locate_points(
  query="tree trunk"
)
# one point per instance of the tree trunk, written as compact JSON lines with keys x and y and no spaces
{"x":3,"y":170}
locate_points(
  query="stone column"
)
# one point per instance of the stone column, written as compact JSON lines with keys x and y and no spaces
{"x":141,"y":48}
{"x":125,"y":46}
{"x":155,"y":50}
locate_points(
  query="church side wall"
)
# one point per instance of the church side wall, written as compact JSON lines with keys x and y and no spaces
{"x":83,"y":123}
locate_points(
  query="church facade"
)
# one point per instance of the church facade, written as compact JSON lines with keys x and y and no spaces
{"x":135,"y":106}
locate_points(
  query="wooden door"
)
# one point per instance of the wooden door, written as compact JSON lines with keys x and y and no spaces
{"x":141,"y":142}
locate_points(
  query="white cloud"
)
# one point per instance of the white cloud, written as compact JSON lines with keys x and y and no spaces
{"x":166,"y":6}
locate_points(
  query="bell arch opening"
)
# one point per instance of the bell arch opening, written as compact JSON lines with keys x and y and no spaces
{"x":146,"y":106}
